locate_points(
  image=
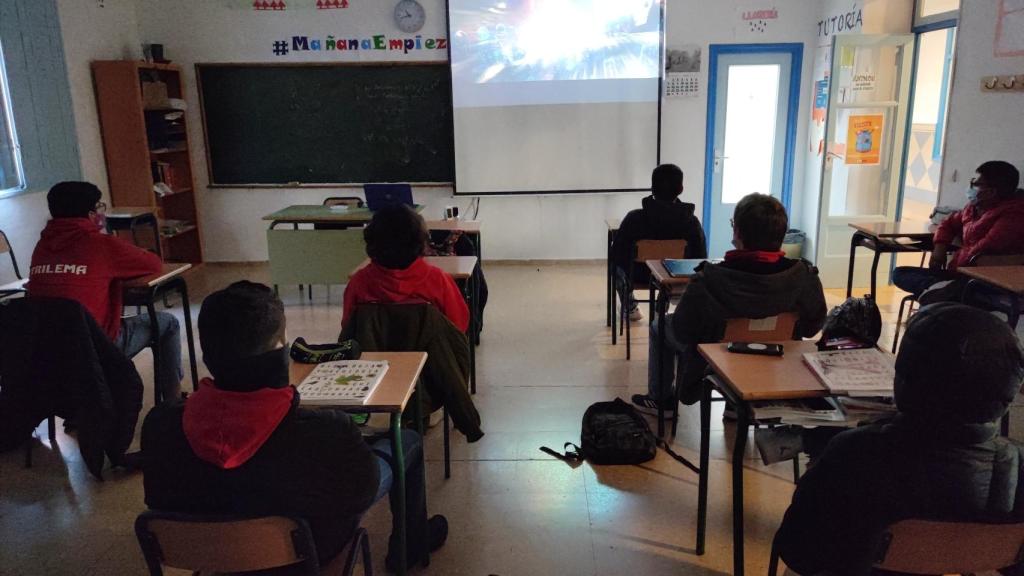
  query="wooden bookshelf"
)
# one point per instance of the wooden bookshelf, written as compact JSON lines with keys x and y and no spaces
{"x":145,"y":145}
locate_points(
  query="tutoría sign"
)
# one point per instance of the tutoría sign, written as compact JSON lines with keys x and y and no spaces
{"x":864,"y":139}
{"x":378,"y":42}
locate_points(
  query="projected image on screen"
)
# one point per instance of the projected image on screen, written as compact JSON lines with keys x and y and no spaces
{"x":553,"y":41}
{"x":554,"y":95}
{"x":526,"y":40}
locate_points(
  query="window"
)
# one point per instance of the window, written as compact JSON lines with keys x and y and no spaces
{"x":930,"y":12}
{"x":12,"y":177}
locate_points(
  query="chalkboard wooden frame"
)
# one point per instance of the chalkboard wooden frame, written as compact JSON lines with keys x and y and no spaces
{"x":358,"y":185}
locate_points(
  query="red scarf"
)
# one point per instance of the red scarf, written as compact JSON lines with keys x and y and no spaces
{"x":754,"y":256}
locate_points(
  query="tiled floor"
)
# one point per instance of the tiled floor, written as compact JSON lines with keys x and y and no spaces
{"x":545,"y":356}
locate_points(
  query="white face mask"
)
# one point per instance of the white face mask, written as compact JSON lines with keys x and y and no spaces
{"x":972,"y":195}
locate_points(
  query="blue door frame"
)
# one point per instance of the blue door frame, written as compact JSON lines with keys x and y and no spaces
{"x":796,"y":52}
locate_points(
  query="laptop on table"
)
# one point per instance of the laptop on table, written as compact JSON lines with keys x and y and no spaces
{"x":382,"y":195}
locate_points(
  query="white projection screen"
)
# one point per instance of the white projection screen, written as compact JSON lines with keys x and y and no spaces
{"x":555,"y":95}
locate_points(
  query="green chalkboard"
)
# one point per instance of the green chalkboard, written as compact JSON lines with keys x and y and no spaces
{"x":327,"y":123}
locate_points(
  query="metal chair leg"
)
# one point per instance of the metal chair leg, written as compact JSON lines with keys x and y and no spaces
{"x":447,"y":446}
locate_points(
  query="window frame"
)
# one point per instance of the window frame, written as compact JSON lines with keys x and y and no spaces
{"x":921,"y":21}
{"x":12,"y":132}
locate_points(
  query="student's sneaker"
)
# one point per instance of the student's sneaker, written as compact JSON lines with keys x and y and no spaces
{"x":648,"y":405}
{"x":635,"y":315}
{"x":946,"y":291}
{"x":437,"y":534}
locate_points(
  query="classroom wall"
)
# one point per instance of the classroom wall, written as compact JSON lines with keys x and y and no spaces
{"x":89,"y":32}
{"x":982,"y":126}
{"x":519,"y":227}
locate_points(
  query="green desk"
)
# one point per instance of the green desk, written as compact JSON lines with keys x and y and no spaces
{"x":305,"y":256}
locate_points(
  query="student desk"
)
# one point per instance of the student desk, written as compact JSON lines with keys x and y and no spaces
{"x":743,"y":378}
{"x":880,"y":237}
{"x":461,"y":269}
{"x":613,"y":229}
{"x":146,"y":291}
{"x":325,"y":256}
{"x":471,"y":228}
{"x":667,"y":286}
{"x":391,"y":397}
{"x":132,"y":218}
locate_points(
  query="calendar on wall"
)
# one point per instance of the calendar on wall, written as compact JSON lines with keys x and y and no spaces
{"x":682,"y":72}
{"x":682,"y":85}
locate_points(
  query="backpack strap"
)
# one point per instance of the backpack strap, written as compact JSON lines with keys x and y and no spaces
{"x":570,"y":456}
{"x":682,"y":460}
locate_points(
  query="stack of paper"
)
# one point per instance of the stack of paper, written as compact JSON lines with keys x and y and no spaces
{"x":867,"y":372}
{"x":342,"y":383}
{"x":807,"y":412}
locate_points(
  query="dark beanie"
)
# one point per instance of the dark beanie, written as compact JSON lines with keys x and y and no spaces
{"x":236,"y":325}
{"x":958,"y":364}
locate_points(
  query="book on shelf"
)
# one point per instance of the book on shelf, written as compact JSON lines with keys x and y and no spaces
{"x":342,"y":382}
{"x":868,"y":372}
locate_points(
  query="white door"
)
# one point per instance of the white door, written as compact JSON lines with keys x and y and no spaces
{"x":864,"y":139}
{"x":751,"y":145}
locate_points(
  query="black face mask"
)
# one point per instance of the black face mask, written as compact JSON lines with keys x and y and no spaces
{"x":267,"y":370}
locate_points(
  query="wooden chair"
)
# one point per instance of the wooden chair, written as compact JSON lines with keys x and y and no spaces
{"x":777,"y":328}
{"x":935,"y":547}
{"x":222,"y":544}
{"x":11,"y":288}
{"x":643,"y":251}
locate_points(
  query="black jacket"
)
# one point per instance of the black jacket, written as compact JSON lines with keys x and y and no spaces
{"x":315,"y":465}
{"x":55,"y":359}
{"x":423,"y":328}
{"x":658,"y":220}
{"x":874,"y":476}
{"x":719,"y":292}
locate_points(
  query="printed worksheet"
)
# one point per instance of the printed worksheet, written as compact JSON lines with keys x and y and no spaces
{"x":342,"y":383}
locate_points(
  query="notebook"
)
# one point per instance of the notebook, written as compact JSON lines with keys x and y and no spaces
{"x":868,"y":372}
{"x":342,"y":382}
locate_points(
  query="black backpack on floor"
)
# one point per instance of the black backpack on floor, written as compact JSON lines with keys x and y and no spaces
{"x":613,"y":433}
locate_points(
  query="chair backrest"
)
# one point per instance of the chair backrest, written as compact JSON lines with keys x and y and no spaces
{"x":997,"y":260}
{"x":772,"y":328}
{"x":5,"y":247}
{"x":350,"y":201}
{"x":224,"y":544}
{"x":933,"y":547}
{"x":659,"y":249}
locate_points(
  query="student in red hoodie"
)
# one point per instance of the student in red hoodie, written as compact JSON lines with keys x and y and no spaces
{"x":396,"y":239}
{"x":75,"y":260}
{"x":242,"y":444}
{"x":989,"y":224}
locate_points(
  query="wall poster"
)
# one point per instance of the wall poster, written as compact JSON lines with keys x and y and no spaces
{"x":864,"y":139}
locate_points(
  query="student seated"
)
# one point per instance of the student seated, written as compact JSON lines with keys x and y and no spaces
{"x":74,"y":259}
{"x":396,"y":239}
{"x":755,"y":280}
{"x":663,"y":217}
{"x":940,"y":458}
{"x":990,"y":224}
{"x":242,"y":445}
